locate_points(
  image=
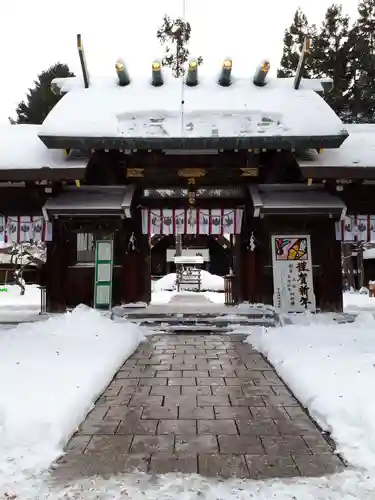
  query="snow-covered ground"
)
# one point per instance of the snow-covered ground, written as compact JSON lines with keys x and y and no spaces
{"x":51,"y":373}
{"x":331,"y":370}
{"x":354,"y":302}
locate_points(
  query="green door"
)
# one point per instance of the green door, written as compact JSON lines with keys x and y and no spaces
{"x":103,"y":274}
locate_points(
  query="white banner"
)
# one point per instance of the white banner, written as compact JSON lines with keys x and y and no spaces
{"x":215,"y":221}
{"x":19,"y":229}
{"x":292,"y":273}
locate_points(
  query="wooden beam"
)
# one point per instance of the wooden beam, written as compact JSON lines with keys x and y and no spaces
{"x":81,"y":53}
{"x":301,"y":64}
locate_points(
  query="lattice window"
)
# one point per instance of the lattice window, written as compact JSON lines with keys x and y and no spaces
{"x":85,"y":248}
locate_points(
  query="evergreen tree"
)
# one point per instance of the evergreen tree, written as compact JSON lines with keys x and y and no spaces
{"x":40,"y":99}
{"x":174,"y":35}
{"x":293,"y":42}
{"x":331,"y":58}
{"x":362,"y":60}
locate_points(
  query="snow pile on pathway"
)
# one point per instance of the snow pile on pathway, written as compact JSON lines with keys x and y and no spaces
{"x":331,"y":370}
{"x":50,"y":375}
{"x":350,"y":485}
{"x":209,"y":282}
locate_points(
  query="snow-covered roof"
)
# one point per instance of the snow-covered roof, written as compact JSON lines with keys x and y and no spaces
{"x":91,"y":199}
{"x":21,"y":148}
{"x":140,"y":110}
{"x":358,"y":150}
{"x":297,"y":199}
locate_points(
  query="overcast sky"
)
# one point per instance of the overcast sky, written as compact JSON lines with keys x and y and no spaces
{"x":35,"y":34}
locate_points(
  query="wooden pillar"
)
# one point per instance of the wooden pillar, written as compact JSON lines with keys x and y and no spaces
{"x":136,"y":264}
{"x":237,"y":267}
{"x":329,"y":260}
{"x":56,"y":269}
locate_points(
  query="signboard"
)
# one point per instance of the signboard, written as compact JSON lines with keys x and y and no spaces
{"x":292,"y":273}
{"x":189,"y":252}
{"x":103,"y":274}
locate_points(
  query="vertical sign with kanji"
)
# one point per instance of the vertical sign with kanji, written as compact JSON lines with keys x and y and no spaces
{"x":292,"y":273}
{"x":103,"y":274}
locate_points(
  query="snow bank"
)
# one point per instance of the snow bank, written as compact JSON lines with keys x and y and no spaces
{"x":10,"y":297}
{"x":210,"y":282}
{"x":355,"y":301}
{"x":50,"y":375}
{"x":331,"y":370}
{"x":350,"y":485}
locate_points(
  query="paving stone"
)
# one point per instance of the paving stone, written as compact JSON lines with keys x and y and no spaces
{"x":295,"y":426}
{"x":160,"y":412}
{"x":318,"y":465}
{"x":109,"y":444}
{"x":232,"y":412}
{"x":191,"y":390}
{"x":137,"y":426}
{"x":285,"y":446}
{"x":153,"y":381}
{"x":224,"y":390}
{"x":285,"y":400}
{"x":257,"y":390}
{"x":141,"y":390}
{"x":222,"y":465}
{"x":129,"y":382}
{"x":78,"y":444}
{"x":214,"y":372}
{"x":183,"y":400}
{"x":169,"y":373}
{"x":152,"y":444}
{"x":257,"y":428}
{"x":213,"y":400}
{"x":217,"y":427}
{"x":195,"y":373}
{"x":210,"y":381}
{"x":184,"y":366}
{"x":184,"y":427}
{"x":317,"y":443}
{"x":140,"y":400}
{"x":247,"y":401}
{"x":265,"y":466}
{"x":268,"y":412}
{"x":196,"y":412}
{"x":240,"y":444}
{"x":163,"y":463}
{"x":182,"y":381}
{"x":98,"y":413}
{"x":123,"y":412}
{"x":121,"y":399}
{"x":165,"y":390}
{"x":189,"y":444}
{"x":142,"y":373}
{"x":98,"y":427}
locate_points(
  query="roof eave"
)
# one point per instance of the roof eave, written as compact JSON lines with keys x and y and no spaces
{"x":337,"y":172}
{"x":228,"y":143}
{"x":42,"y":174}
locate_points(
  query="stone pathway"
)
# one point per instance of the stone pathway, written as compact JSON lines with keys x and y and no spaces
{"x":206,"y":404}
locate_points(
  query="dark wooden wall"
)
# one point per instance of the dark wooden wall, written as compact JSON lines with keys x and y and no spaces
{"x":70,"y":284}
{"x":257,"y":270}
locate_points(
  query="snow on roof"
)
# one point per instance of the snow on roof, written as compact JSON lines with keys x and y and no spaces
{"x":21,"y":148}
{"x":358,"y":150}
{"x":76,"y":82}
{"x":241,"y":110}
